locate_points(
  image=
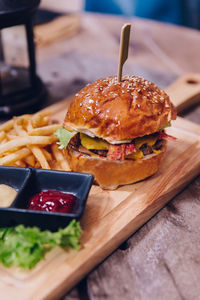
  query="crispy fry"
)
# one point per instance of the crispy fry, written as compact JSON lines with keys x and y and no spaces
{"x":29,"y":126}
{"x":9,"y":124}
{"x":29,"y":140}
{"x":30,"y":160}
{"x":2,"y":136}
{"x":55,"y":165}
{"x":18,"y":128}
{"x":46,"y":130}
{"x":11,"y":136}
{"x":20,"y":163}
{"x":13,"y":157}
{"x":41,"y":118}
{"x":38,"y":153}
{"x":47,"y":154}
{"x":59,"y":157}
{"x":12,"y":131}
{"x":40,"y":157}
{"x":37,"y":165}
{"x":23,"y":140}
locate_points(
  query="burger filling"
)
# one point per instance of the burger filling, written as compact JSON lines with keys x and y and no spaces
{"x":97,"y":147}
{"x":137,"y":149}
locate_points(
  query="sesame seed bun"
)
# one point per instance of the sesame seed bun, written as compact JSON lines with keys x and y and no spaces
{"x":119,"y":111}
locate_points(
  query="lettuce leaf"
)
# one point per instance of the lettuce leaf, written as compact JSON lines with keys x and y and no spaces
{"x":168,"y":124}
{"x":64,"y":136}
{"x":25,"y":246}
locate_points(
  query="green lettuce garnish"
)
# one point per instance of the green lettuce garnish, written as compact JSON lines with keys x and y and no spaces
{"x":64,"y":136}
{"x":25,"y":246}
{"x":168,"y":124}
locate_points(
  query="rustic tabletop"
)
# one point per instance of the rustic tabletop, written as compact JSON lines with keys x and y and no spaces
{"x":161,"y":260}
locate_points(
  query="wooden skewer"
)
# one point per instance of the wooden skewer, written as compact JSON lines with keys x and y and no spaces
{"x":124,"y":45}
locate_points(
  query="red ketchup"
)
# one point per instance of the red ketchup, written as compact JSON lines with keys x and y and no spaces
{"x":52,"y":200}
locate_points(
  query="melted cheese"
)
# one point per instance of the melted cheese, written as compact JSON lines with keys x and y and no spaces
{"x":100,"y":144}
{"x":149,"y":140}
{"x":93,"y":143}
{"x":156,"y":151}
{"x":135,"y":155}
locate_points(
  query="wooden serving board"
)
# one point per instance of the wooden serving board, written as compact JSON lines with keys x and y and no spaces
{"x":109,"y":219}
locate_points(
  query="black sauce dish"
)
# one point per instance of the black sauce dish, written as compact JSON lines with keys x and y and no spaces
{"x":29,"y":182}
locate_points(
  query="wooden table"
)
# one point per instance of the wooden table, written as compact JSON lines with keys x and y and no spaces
{"x":161,"y":260}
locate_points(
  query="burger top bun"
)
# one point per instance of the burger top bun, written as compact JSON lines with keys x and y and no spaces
{"x":119,"y":111}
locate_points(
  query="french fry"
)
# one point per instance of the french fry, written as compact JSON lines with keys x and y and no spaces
{"x":55,"y":165}
{"x":20,"y":163}
{"x":37,"y":165}
{"x":30,"y":160}
{"x":13,"y":157}
{"x":46,"y":130}
{"x":38,"y":153}
{"x":47,"y":154}
{"x":9,"y":124}
{"x":11,"y":136}
{"x":29,"y":140}
{"x":12,"y":131}
{"x":23,"y":140}
{"x":41,"y":118}
{"x":2,"y":136}
{"x":18,"y":128}
{"x":59,"y":157}
{"x":29,"y":126}
{"x":40,"y":157}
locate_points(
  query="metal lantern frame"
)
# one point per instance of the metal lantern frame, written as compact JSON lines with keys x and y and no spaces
{"x":14,"y":13}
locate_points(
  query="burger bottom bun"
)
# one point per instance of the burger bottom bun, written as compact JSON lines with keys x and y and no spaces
{"x":110,"y":174}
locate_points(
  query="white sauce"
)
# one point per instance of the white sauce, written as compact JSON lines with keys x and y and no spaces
{"x":7,"y":195}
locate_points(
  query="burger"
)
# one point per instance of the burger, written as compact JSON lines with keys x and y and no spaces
{"x":116,"y":130}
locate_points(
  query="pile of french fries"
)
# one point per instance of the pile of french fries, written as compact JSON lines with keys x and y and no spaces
{"x":29,"y":141}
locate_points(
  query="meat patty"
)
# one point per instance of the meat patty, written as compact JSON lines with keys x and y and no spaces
{"x":146,"y":149}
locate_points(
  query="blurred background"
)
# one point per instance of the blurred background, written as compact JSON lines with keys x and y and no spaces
{"x":77,"y":42}
{"x":179,"y":12}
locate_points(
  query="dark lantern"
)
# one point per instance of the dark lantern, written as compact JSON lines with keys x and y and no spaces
{"x":21,"y":90}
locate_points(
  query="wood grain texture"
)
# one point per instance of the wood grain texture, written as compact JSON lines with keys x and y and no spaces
{"x":152,"y":56}
{"x":185,"y":91}
{"x":161,"y":260}
{"x":159,"y":52}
